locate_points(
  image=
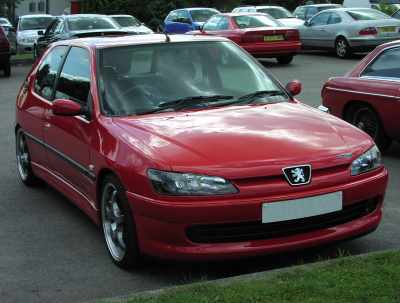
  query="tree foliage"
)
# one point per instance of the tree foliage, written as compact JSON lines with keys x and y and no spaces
{"x":153,"y":12}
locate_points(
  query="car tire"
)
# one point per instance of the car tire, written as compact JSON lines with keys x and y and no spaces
{"x":118,"y":224}
{"x":366,"y":119}
{"x":24,"y":166}
{"x":342,"y":48}
{"x":285,"y":59}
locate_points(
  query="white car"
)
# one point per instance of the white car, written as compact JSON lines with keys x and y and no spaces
{"x":278,"y":12}
{"x":131,"y":24}
{"x":28,"y":28}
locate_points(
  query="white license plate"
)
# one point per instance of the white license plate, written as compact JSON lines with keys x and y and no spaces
{"x":301,"y":208}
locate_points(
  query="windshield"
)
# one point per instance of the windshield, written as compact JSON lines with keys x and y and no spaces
{"x":202,"y":15}
{"x":253,"y":21}
{"x":277,"y":12}
{"x":142,"y":79}
{"x":367,"y":14}
{"x":127,"y":21}
{"x":34,"y":23}
{"x":90,"y":23}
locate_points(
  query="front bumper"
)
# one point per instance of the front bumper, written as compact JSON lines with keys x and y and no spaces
{"x":273,"y":49}
{"x":163,"y":226}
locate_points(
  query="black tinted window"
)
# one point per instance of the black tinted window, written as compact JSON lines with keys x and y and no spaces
{"x":47,"y":72}
{"x":74,"y":82}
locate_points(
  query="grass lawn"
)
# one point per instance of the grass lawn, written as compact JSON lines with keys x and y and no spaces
{"x":25,"y":56}
{"x":374,"y":278}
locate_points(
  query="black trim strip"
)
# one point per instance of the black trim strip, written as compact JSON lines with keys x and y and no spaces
{"x":64,"y":157}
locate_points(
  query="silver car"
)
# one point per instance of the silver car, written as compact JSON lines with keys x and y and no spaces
{"x":131,"y":24}
{"x":28,"y":28}
{"x":348,"y":30}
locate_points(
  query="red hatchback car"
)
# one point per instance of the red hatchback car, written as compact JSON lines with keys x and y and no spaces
{"x":259,"y":34}
{"x":185,"y":147}
{"x":368,"y":96}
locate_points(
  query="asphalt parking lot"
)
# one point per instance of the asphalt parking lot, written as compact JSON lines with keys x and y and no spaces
{"x":50,"y":252}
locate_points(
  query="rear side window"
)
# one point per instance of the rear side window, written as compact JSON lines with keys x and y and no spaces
{"x":74,"y":81}
{"x":47,"y":72}
{"x":387,"y":65}
{"x":367,"y":14}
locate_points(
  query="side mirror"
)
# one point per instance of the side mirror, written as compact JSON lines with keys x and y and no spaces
{"x":307,"y":23}
{"x":64,"y":107}
{"x":40,"y":33}
{"x":294,"y":87}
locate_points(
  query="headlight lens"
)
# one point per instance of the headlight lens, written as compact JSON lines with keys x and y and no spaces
{"x":368,"y":161}
{"x":185,"y":184}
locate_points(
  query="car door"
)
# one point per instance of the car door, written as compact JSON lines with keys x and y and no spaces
{"x":334,"y":26}
{"x":68,"y":138}
{"x":381,"y":81}
{"x":37,"y":100}
{"x":314,"y":32}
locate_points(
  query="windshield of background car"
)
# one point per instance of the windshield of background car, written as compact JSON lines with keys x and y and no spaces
{"x":34,"y":23}
{"x":138,"y":79}
{"x":277,"y":12}
{"x":89,"y":23}
{"x":367,"y":14}
{"x":202,"y":15}
{"x":126,"y":21}
{"x":253,"y":21}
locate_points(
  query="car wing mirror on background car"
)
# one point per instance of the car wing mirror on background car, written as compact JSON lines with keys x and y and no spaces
{"x":294,"y":87}
{"x":307,"y":22}
{"x":40,"y":33}
{"x":65,"y":107}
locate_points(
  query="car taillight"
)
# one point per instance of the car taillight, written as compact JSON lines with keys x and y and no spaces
{"x":292,"y":35}
{"x":368,"y":31}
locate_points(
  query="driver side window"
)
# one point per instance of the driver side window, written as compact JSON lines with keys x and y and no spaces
{"x":321,"y":19}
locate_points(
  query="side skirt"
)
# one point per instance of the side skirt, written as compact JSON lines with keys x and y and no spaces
{"x":69,"y":191}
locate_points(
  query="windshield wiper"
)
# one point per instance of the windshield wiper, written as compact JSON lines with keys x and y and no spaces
{"x":249,"y":98}
{"x":189,"y":102}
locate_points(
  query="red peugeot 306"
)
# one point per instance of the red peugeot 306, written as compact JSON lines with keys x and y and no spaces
{"x":259,"y":34}
{"x":186,"y":147}
{"x":368,"y":96}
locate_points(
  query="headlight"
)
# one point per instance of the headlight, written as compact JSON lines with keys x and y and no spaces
{"x":367,"y":161}
{"x":184,"y":184}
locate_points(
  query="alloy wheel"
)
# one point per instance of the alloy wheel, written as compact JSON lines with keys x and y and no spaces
{"x":113,"y":222}
{"x":23,"y":159}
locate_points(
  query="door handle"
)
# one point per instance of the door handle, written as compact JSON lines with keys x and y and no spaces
{"x":47,"y":125}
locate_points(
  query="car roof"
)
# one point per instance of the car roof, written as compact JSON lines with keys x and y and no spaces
{"x":261,"y":6}
{"x":321,"y":5}
{"x":120,"y":16}
{"x":36,"y":16}
{"x":194,"y":9}
{"x":108,"y":42}
{"x":243,"y":14}
{"x":81,"y":15}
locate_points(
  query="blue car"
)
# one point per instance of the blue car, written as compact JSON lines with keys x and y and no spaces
{"x":181,"y":21}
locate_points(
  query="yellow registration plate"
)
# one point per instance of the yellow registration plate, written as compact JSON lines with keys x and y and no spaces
{"x":387,"y":29}
{"x":274,"y":38}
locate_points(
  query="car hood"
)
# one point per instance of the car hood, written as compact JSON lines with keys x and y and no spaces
{"x":29,"y":33}
{"x":291,"y":22}
{"x":255,"y":140}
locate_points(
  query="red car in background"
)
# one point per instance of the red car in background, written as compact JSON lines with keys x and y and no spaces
{"x":185,"y":147}
{"x":259,"y":34}
{"x":5,"y":53}
{"x":369,"y":95}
